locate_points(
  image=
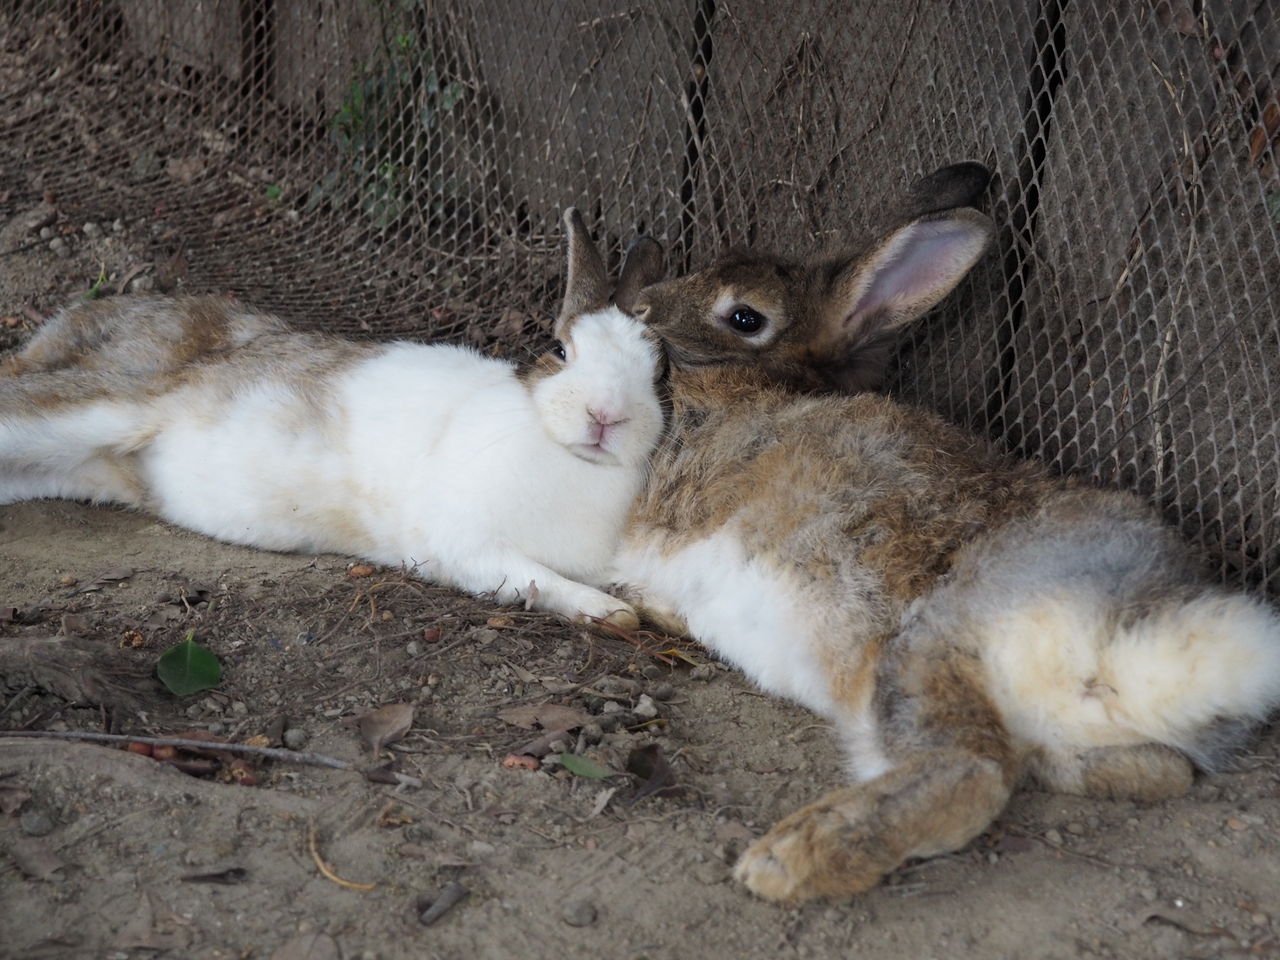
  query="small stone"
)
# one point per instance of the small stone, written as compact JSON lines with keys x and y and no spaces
{"x":117,"y":226}
{"x":67,"y":581}
{"x":433,"y":680}
{"x":240,"y":708}
{"x":1235,"y":823}
{"x":46,"y":233}
{"x":217,"y":728}
{"x":592,"y":733}
{"x":663,"y":691}
{"x":481,"y":848}
{"x":332,"y":713}
{"x":579,"y":913}
{"x":483,"y":636}
{"x":645,"y":708}
{"x":295,"y":738}
{"x":651,"y":671}
{"x":1259,"y":919}
{"x":710,"y":872}
{"x":59,"y":246}
{"x":142,"y":284}
{"x":1054,"y":837}
{"x":92,"y":230}
{"x":36,"y":824}
{"x":612,"y":706}
{"x":992,"y":857}
{"x":1076,"y":828}
{"x":413,"y":648}
{"x":703,"y":672}
{"x":1149,"y":894}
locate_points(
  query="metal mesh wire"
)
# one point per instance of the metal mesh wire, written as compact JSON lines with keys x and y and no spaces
{"x":393,"y":166}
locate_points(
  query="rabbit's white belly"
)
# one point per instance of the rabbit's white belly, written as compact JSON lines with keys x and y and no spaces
{"x":253,"y":469}
{"x":750,"y":612}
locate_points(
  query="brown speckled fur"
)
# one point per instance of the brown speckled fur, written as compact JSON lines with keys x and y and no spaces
{"x":906,"y":540}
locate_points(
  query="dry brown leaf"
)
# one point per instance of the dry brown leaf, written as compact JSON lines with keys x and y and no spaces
{"x":385,"y":725}
{"x":502,"y":620}
{"x":12,"y":798}
{"x":548,"y":716}
{"x":360,"y":570}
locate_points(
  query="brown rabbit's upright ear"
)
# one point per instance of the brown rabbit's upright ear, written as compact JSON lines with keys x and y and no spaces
{"x":956,"y":185}
{"x":641,"y":267}
{"x":903,"y":276}
{"x":587,"y":286}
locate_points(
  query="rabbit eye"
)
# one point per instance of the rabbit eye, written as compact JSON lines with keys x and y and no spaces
{"x":746,"y":321}
{"x":558,"y":350}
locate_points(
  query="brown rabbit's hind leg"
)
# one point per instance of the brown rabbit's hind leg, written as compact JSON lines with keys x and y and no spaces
{"x":1146,"y":772}
{"x":954,"y":768}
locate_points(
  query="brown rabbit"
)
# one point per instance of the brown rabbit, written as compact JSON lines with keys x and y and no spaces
{"x":966,"y":621}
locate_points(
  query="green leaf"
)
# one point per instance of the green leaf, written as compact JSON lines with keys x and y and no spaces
{"x":275,"y":192}
{"x":1273,"y":204}
{"x":187,"y":668}
{"x":581,"y":766}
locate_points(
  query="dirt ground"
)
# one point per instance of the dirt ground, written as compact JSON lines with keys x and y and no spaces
{"x":107,"y":853}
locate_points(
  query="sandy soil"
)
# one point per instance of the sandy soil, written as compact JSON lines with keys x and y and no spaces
{"x":105,"y":853}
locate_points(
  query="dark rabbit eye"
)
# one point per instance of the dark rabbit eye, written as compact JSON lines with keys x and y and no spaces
{"x":558,"y":350}
{"x":746,"y":321}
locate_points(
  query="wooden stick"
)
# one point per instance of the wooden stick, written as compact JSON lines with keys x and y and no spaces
{"x":275,"y":753}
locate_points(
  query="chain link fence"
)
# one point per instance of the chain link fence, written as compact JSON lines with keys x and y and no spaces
{"x":398,"y":166}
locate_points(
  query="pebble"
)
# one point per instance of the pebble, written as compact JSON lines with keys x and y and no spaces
{"x":592,"y":733}
{"x":117,"y":225}
{"x":36,"y":824}
{"x":1149,"y":894}
{"x":295,"y":738}
{"x":612,"y":706}
{"x":332,"y":713}
{"x":46,"y":233}
{"x":710,"y":873}
{"x":413,"y":648}
{"x":1054,"y":837}
{"x":651,"y":671}
{"x":1076,"y":828}
{"x":240,"y":708}
{"x":663,"y":691}
{"x":579,"y":913}
{"x":92,"y":230}
{"x":1259,"y":919}
{"x":645,"y":708}
{"x":142,"y":284}
{"x":703,"y":672}
{"x":59,"y":246}
{"x":483,"y":636}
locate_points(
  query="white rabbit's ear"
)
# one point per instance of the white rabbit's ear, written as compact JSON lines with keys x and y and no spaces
{"x":587,"y":286}
{"x":641,"y":267}
{"x":907,"y":273}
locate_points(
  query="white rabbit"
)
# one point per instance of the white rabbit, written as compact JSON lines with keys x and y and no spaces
{"x":469,"y":471}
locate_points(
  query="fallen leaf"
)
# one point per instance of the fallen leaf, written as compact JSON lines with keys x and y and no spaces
{"x":542,"y":746}
{"x":8,"y":614}
{"x":113,"y":575}
{"x":258,"y":740}
{"x":360,"y":570}
{"x":431,"y":635}
{"x":602,"y":801}
{"x":683,"y":655}
{"x":500,"y":621}
{"x":309,"y":946}
{"x":651,"y":767}
{"x":1266,"y":130}
{"x":581,"y":766}
{"x":385,"y":725}
{"x":75,"y":625}
{"x":548,"y":716}
{"x":34,"y":857}
{"x":187,"y":667}
{"x":520,"y":761}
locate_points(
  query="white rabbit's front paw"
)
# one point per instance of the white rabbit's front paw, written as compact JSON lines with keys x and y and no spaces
{"x":583,"y":604}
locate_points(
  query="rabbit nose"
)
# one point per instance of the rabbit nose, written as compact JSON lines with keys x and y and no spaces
{"x":605,"y":418}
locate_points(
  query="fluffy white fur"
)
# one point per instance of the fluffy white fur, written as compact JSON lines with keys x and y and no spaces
{"x":433,"y":456}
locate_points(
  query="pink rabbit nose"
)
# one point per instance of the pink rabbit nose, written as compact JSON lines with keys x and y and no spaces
{"x":601,"y":422}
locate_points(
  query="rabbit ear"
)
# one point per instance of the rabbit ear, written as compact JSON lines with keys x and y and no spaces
{"x":908,"y":272}
{"x":641,"y":267}
{"x":587,"y":287}
{"x":956,"y":185}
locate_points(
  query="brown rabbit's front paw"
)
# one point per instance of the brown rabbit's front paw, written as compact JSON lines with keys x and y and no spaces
{"x":815,"y":852}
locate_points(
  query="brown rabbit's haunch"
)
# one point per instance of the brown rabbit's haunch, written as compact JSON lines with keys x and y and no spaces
{"x":966,"y":621}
